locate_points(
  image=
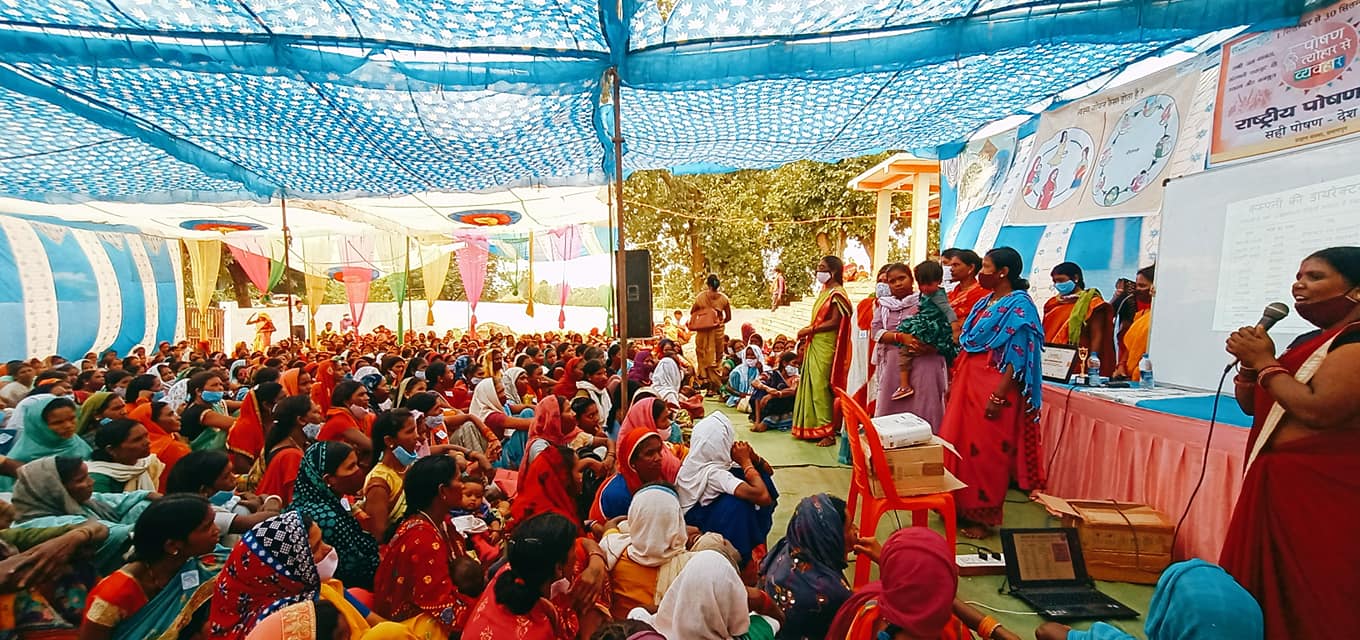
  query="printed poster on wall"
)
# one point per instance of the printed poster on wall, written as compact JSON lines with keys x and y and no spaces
{"x":1106,"y":155}
{"x":977,"y":172}
{"x":1290,"y":87}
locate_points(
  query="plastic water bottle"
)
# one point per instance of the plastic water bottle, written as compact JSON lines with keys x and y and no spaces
{"x":1145,"y":380}
{"x":1093,"y":370}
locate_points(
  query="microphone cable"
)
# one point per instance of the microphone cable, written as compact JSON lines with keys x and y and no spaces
{"x":1204,"y":462}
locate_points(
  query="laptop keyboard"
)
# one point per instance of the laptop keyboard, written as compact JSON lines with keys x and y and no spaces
{"x":1069,"y":600}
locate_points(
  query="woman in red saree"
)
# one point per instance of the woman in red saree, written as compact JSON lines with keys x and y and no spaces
{"x":162,"y":427}
{"x":1079,"y":317}
{"x":826,"y":349}
{"x":1291,"y":542}
{"x":963,"y":265}
{"x":993,"y":412}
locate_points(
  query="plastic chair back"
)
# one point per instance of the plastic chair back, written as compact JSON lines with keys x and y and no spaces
{"x":877,"y":467}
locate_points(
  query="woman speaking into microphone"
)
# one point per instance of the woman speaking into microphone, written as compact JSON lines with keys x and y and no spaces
{"x":1292,"y":538}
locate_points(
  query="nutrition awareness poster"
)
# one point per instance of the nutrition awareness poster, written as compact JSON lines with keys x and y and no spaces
{"x":1290,"y":87}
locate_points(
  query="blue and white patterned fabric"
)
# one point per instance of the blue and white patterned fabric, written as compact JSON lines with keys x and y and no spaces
{"x":70,"y":289}
{"x":220,"y":100}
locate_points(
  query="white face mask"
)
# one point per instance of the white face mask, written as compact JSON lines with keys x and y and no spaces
{"x":823,"y":277}
{"x":752,"y":362}
{"x":326,"y":568}
{"x":791,"y":370}
{"x":882,"y":290}
{"x":312,"y":430}
{"x":561,"y":586}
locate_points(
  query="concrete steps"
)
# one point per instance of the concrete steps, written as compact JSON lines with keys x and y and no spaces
{"x":788,"y":320}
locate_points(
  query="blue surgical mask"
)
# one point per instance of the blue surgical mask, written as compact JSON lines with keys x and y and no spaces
{"x":104,"y":421}
{"x":311,"y":430}
{"x":211,"y":397}
{"x":1065,"y":288}
{"x":405,"y":457}
{"x":434,"y":422}
{"x":222,"y":497}
{"x":158,"y":396}
{"x":882,"y":290}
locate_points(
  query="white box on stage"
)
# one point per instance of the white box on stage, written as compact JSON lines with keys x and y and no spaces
{"x":902,"y":430}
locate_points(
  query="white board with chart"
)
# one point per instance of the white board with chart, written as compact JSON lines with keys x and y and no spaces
{"x":1231,"y":241}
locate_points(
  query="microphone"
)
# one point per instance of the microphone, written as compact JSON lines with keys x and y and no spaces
{"x":1273,"y":313}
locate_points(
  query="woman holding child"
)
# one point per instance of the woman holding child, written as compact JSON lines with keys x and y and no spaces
{"x":927,"y":378}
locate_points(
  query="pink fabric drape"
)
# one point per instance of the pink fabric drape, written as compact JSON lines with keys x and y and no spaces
{"x":357,"y":275}
{"x":472,"y":259}
{"x":1103,"y":450}
{"x":256,"y":266}
{"x":566,"y":244}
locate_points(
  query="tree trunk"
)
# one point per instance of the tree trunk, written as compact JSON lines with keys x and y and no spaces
{"x":697,"y":260}
{"x":239,"y":280}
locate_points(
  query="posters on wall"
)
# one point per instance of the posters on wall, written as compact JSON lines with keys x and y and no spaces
{"x":1290,"y":87}
{"x":978,"y":172}
{"x":1106,"y":155}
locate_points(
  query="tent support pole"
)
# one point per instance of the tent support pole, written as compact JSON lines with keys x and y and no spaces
{"x":621,"y":284}
{"x":283,"y":215}
{"x":406,"y":284}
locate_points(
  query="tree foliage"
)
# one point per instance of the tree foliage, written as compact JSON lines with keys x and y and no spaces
{"x":741,"y":225}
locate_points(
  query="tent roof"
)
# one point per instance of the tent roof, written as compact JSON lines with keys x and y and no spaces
{"x":219,"y":101}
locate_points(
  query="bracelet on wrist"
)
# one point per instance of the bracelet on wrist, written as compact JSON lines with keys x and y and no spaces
{"x":1266,"y":373}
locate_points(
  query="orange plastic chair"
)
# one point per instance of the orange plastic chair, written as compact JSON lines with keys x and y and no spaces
{"x":857,"y":420}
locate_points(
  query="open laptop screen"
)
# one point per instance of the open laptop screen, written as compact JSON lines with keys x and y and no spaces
{"x":1044,"y":556}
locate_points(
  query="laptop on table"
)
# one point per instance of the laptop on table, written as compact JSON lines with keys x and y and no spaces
{"x":1046,"y":570}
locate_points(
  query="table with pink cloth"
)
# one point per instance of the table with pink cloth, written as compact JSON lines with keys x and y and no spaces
{"x":1103,"y":449}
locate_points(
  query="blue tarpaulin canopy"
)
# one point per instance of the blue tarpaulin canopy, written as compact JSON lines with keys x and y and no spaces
{"x":162,"y":101}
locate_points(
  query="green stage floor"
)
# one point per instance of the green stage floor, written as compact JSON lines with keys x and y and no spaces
{"x":803,"y":469}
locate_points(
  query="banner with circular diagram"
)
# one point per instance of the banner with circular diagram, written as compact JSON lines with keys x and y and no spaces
{"x":1107,"y":155}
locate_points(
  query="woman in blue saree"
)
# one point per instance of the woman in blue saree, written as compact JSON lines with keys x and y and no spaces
{"x":58,"y":491}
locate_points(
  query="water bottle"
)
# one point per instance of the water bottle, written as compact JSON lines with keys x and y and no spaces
{"x":1145,"y":380}
{"x":1093,"y":370}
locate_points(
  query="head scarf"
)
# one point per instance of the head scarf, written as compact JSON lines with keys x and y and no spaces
{"x":707,"y":601}
{"x":917,"y":589}
{"x":39,"y":493}
{"x":566,"y":387}
{"x":543,"y":488}
{"x":289,"y":381}
{"x":356,"y":546}
{"x":364,"y":372}
{"x":805,"y":572}
{"x":235,"y":366}
{"x":508,"y":378}
{"x":548,"y":423}
{"x":749,"y":373}
{"x":246,"y":435}
{"x":38,"y":440}
{"x":666,"y":380}
{"x":1194,"y":600}
{"x":629,"y":444}
{"x":710,"y":453}
{"x":640,"y":370}
{"x":639,"y":417}
{"x":460,"y":367}
{"x":98,"y":401}
{"x":270,"y":568}
{"x":324,"y":385}
{"x":654,"y":532}
{"x":485,"y":400}
{"x":747,"y":330}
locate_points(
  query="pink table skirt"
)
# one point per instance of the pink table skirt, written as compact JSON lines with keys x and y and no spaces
{"x":1103,"y":450}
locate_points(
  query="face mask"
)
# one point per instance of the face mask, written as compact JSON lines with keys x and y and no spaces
{"x":561,"y":586}
{"x":434,"y":422}
{"x":791,"y":370}
{"x":158,"y":396}
{"x":823,"y":277}
{"x":419,"y":375}
{"x":104,"y":421}
{"x":358,"y":411}
{"x":948,"y":276}
{"x":1143,"y":295}
{"x":988,"y":281}
{"x":222,"y":497}
{"x":404,"y":457}
{"x":882,"y":290}
{"x":1065,"y":288}
{"x":1324,"y":314}
{"x":326,"y":568}
{"x":752,"y":362}
{"x":311,"y":430}
{"x":121,"y":392}
{"x":211,"y":397}
{"x":476,"y":381}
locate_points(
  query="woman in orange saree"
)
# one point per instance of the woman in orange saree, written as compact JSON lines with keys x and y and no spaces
{"x":826,"y":349}
{"x":1079,"y":317}
{"x":1291,"y":542}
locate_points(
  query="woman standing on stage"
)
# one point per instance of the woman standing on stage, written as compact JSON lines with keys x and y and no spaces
{"x":1301,"y":458}
{"x":993,"y":412}
{"x":825,"y":345}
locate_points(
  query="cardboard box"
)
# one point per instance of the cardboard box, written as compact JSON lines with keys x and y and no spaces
{"x":916,"y":470}
{"x":1121,"y":541}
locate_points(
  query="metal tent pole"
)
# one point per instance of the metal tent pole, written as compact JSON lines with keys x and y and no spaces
{"x":283,"y":214}
{"x":620,"y":268}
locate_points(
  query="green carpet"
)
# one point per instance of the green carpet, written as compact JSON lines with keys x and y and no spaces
{"x":803,"y":469}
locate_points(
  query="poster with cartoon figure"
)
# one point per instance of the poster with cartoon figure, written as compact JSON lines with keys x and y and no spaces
{"x":1106,"y":155}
